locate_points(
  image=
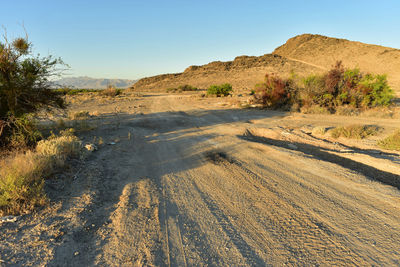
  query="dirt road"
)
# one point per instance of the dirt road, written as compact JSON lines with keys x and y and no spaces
{"x":194,"y":185}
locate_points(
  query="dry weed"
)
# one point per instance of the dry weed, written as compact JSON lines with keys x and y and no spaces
{"x":80,"y":115}
{"x":22,"y":174}
{"x":354,"y":131}
{"x":392,"y":142}
{"x":319,"y":130}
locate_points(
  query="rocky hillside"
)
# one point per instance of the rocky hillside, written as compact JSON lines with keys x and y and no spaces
{"x":93,"y":83}
{"x":303,"y":54}
{"x":324,"y":51}
{"x":243,"y":73}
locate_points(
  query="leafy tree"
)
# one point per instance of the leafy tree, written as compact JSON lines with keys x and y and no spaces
{"x":25,"y":87}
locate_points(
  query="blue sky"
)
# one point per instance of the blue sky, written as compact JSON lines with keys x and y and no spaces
{"x":134,"y":39}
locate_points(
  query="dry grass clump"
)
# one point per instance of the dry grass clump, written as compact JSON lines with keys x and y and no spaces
{"x":80,"y":115}
{"x":111,"y":91}
{"x":381,"y":112}
{"x":319,"y":130}
{"x":347,"y":110}
{"x":392,"y":142}
{"x":22,"y":175}
{"x":58,"y":148}
{"x":354,"y":131}
{"x":21,"y":183}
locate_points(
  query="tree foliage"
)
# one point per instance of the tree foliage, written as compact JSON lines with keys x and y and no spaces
{"x":25,"y":85}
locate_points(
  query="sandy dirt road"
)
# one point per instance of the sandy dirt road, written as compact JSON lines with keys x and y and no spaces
{"x":195,"y":185}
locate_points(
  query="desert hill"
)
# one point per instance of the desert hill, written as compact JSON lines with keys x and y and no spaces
{"x":303,"y":54}
{"x":242,"y":72}
{"x":93,"y":83}
{"x":324,"y":51}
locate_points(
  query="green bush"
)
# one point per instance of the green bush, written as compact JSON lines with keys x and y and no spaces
{"x":379,"y":92}
{"x":23,"y":131}
{"x":220,"y":90}
{"x":25,"y":87}
{"x":313,"y":92}
{"x":337,"y":88}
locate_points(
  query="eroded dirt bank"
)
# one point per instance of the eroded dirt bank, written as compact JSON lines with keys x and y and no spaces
{"x":190,"y":183}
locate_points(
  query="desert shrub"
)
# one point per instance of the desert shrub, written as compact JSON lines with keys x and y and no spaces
{"x":313,"y":92}
{"x":333,"y":79}
{"x":58,"y":148}
{"x":171,"y":90}
{"x":80,"y":115}
{"x":274,"y":92}
{"x":319,"y":130}
{"x":392,"y":142}
{"x":187,"y":87}
{"x":337,"y":88}
{"x":21,"y":183}
{"x":25,"y":86}
{"x":22,"y":175}
{"x":72,"y":91}
{"x":347,"y":110}
{"x":83,"y":126}
{"x":182,"y":88}
{"x":378,"y":91}
{"x":354,"y":131}
{"x":111,"y":91}
{"x":220,"y":90}
{"x":23,"y":131}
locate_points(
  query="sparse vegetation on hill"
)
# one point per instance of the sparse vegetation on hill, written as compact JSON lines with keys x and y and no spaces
{"x":242,"y":72}
{"x":324,"y":51}
{"x":305,"y":54}
{"x":338,"y":87}
{"x":220,"y":90}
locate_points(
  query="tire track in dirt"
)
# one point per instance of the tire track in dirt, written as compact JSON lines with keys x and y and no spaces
{"x":136,"y":228}
{"x":282,"y":220}
{"x":347,"y":213}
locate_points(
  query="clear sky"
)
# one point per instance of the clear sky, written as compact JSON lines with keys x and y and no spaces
{"x":134,"y":39}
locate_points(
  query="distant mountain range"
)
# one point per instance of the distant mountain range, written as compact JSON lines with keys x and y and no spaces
{"x":93,"y":83}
